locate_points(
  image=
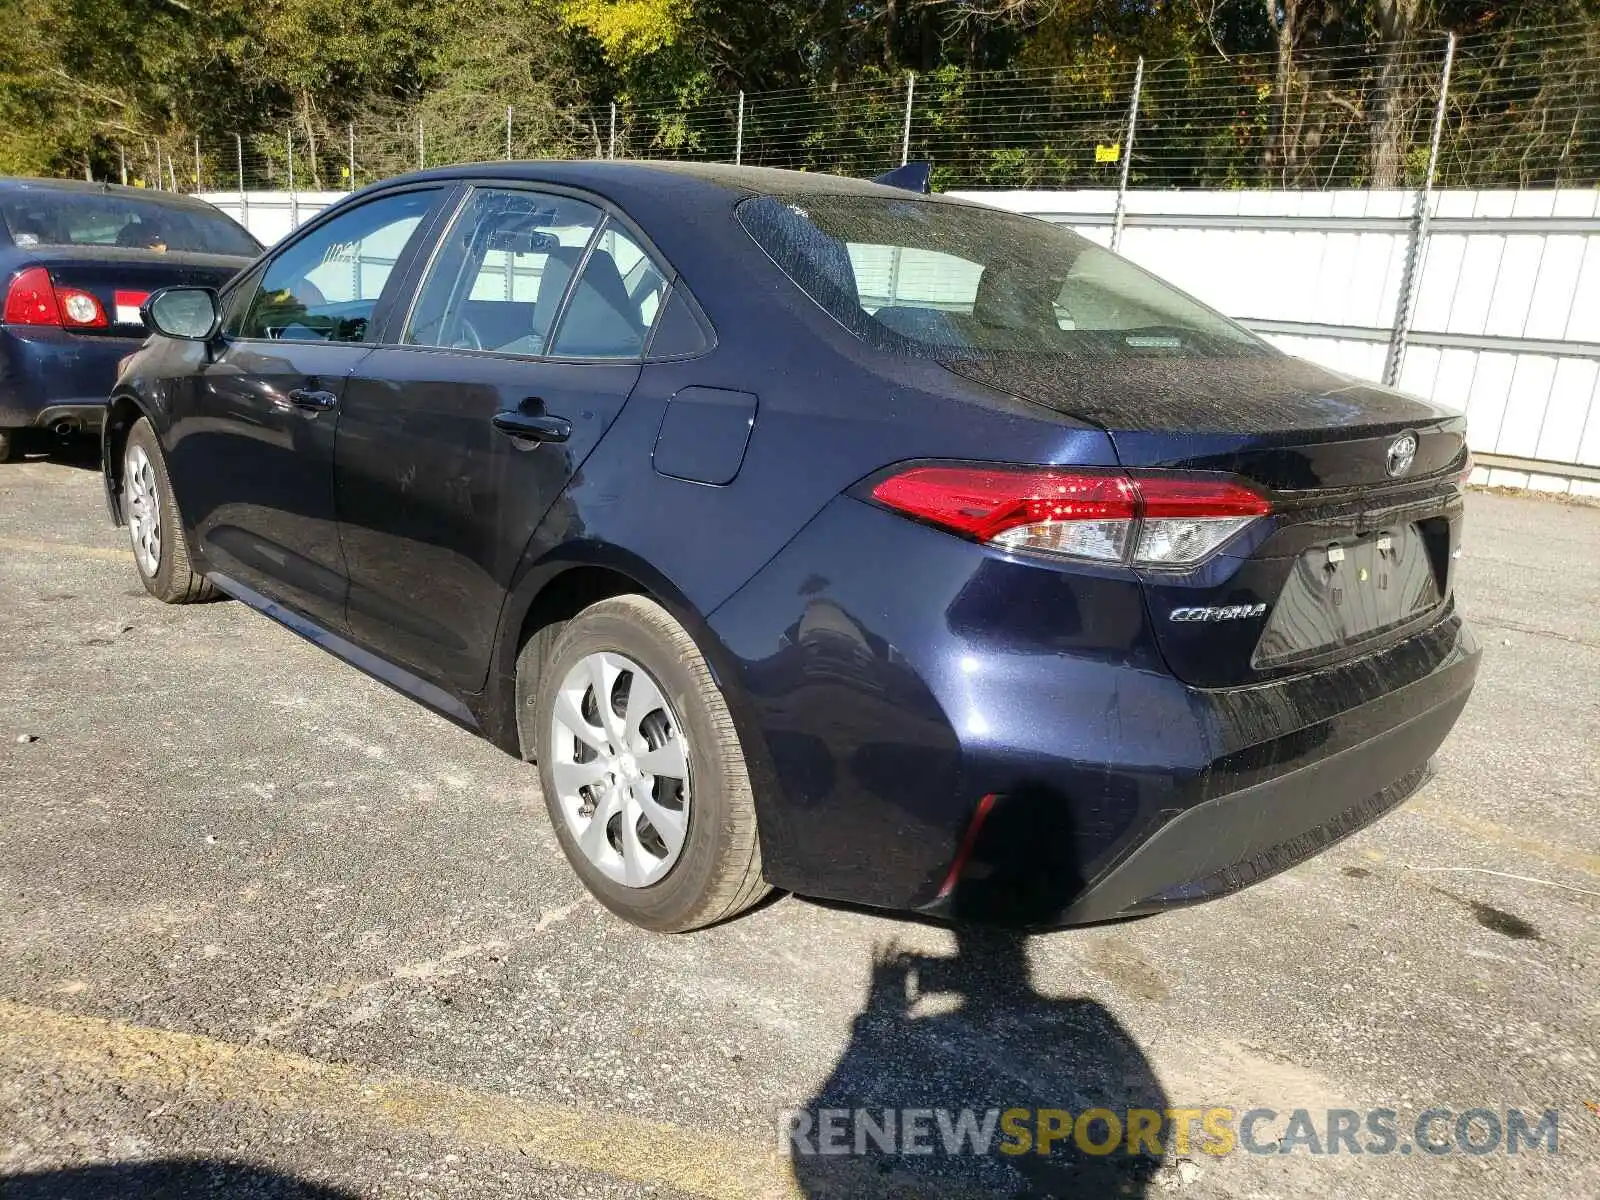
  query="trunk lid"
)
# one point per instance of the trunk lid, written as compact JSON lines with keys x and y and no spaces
{"x":1358,"y":550}
{"x":122,"y":278}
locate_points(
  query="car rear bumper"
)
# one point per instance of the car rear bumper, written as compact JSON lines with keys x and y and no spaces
{"x":892,"y":683}
{"x":1225,"y":829}
{"x":48,"y":376}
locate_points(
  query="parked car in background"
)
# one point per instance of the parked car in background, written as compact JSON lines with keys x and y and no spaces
{"x":77,"y":261}
{"x":814,"y":534}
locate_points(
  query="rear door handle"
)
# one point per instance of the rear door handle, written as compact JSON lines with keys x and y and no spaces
{"x":526,"y":427}
{"x":313,"y":399}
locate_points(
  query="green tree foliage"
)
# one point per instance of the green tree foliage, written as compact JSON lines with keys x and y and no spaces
{"x":1238,"y":92}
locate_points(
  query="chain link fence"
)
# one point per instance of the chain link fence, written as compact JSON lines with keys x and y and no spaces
{"x":1521,"y":111}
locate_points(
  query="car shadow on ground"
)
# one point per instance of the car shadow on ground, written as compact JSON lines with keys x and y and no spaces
{"x":164,"y":1179}
{"x":968,"y":1037}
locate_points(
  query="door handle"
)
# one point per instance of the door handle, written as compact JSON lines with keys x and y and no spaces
{"x":526,"y":427}
{"x":313,"y":399}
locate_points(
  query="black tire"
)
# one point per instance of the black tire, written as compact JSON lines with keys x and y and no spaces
{"x":9,"y":448}
{"x":173,"y":581}
{"x":718,"y":871}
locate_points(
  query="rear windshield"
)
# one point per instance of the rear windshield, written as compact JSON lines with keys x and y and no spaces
{"x":50,"y":218}
{"x":947,"y":280}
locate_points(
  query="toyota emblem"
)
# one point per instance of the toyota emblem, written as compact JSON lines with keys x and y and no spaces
{"x":1401,"y":451}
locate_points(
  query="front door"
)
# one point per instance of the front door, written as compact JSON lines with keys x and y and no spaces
{"x":253,"y":455}
{"x":455,"y":442}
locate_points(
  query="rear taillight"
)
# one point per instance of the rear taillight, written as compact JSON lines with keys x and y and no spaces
{"x":79,"y":310}
{"x":30,"y":300}
{"x":1466,"y":469}
{"x":1148,"y":521}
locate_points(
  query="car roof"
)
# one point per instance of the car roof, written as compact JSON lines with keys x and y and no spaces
{"x":82,"y":187}
{"x":722,"y":180}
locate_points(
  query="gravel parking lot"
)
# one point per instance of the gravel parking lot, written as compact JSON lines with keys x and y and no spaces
{"x":267,"y":928}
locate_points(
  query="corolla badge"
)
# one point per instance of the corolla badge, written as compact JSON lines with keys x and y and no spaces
{"x":1401,"y":451}
{"x":1227,"y":612}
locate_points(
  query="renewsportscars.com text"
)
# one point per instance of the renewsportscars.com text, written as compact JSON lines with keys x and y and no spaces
{"x":1149,"y":1131}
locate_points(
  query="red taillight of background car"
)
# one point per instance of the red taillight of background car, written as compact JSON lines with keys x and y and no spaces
{"x":1099,"y":516}
{"x":79,"y":310}
{"x":31,"y":300}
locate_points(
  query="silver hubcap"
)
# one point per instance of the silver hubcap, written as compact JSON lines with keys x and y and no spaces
{"x":143,"y":508}
{"x":621,"y":769}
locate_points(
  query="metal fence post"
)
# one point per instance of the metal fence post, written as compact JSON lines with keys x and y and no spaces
{"x":294,"y":198}
{"x":122,"y":163}
{"x":1127,"y":157}
{"x":172,"y":172}
{"x":161,"y":183}
{"x":612,"y":153}
{"x":244,"y":196}
{"x":197,"y":162}
{"x":1406,"y":305}
{"x":905,"y":136}
{"x":350,"y":147}
{"x":422,"y":154}
{"x":508,"y":132}
{"x":738,"y":136}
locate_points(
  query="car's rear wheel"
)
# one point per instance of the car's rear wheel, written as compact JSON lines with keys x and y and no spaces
{"x":159,"y":549}
{"x":642,"y":770}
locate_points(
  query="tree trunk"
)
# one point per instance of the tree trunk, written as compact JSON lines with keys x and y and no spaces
{"x":1279,"y":152}
{"x":1386,"y":112}
{"x":310,"y":128}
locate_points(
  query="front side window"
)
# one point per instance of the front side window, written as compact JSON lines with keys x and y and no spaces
{"x":326,"y":286}
{"x":945,"y":280}
{"x":502,"y":271}
{"x":237,"y":300}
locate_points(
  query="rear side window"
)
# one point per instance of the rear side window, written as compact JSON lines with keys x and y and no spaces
{"x":51,"y":218}
{"x":502,"y":271}
{"x":950,"y":281}
{"x":614,"y":303}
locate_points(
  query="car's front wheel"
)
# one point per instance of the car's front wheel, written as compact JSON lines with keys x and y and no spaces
{"x":641,"y":767}
{"x":159,"y":549}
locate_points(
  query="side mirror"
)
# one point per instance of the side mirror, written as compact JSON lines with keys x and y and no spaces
{"x":189,"y":313}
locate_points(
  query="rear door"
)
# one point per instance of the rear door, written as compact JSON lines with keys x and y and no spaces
{"x":455,"y":441}
{"x":252,"y":452}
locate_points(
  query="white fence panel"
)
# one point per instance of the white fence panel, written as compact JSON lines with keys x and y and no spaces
{"x":1506,"y":325}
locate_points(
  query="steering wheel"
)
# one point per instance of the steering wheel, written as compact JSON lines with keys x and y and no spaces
{"x":467,"y":336}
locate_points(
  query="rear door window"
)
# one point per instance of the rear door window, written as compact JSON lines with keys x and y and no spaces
{"x":45,"y":217}
{"x":502,"y":271}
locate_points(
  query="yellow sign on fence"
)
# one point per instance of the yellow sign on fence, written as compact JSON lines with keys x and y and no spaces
{"x":1108,"y":154}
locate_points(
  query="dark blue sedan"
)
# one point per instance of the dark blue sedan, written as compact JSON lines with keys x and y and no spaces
{"x":817,"y":535}
{"x":76,"y":262}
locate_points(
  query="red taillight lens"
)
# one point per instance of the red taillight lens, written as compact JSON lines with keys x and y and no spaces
{"x":1466,"y":469}
{"x":985,"y":503}
{"x":1162,"y":497}
{"x":1101,"y":516}
{"x":30,"y":300}
{"x":79,"y":309}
